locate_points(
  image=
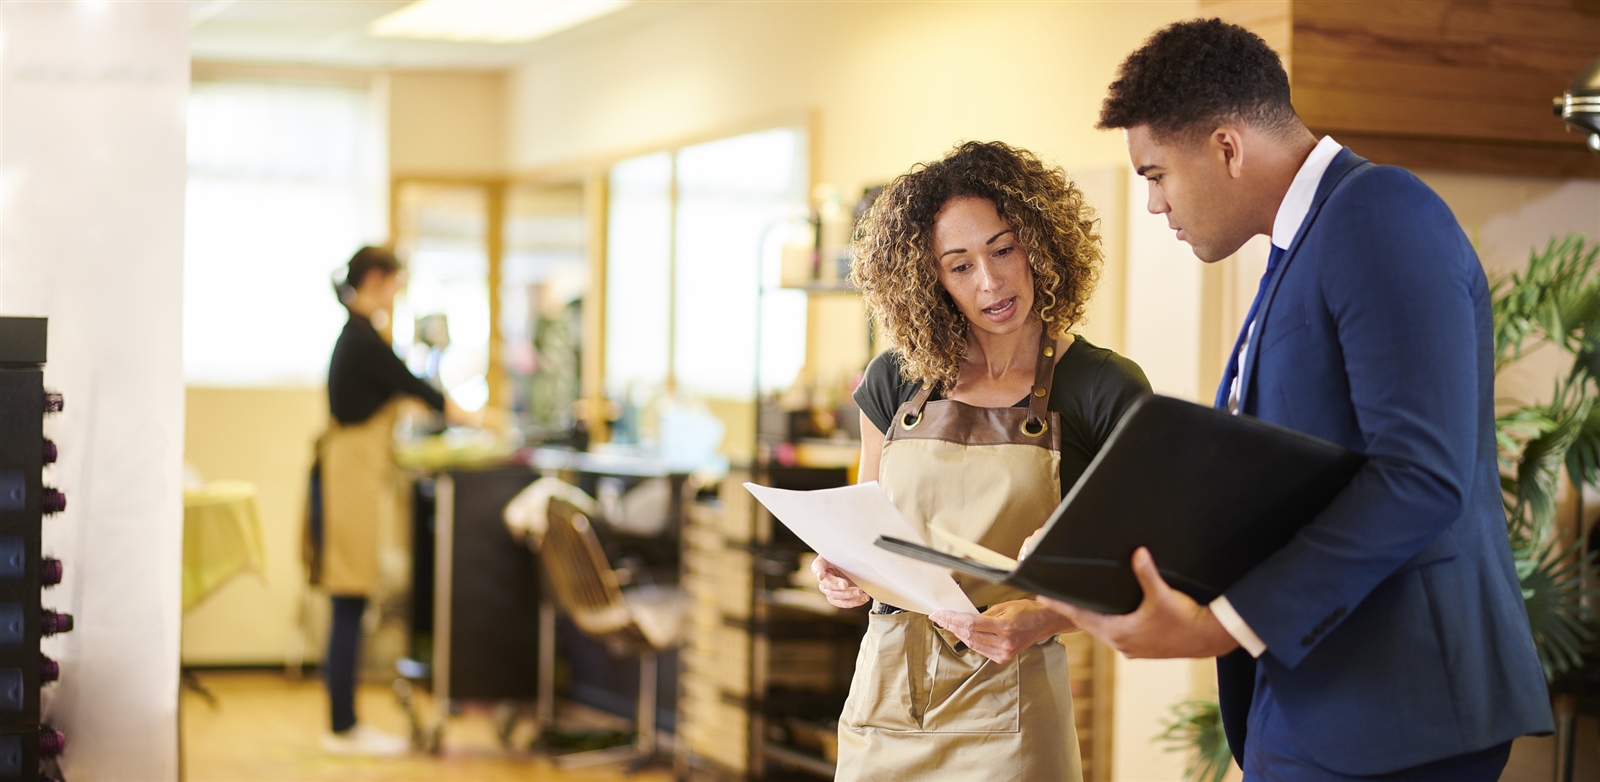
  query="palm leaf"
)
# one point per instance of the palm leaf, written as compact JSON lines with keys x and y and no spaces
{"x":1583,"y":454}
{"x":1558,"y":592}
{"x":1543,"y":455}
{"x":1553,"y":300}
{"x":1196,"y":728}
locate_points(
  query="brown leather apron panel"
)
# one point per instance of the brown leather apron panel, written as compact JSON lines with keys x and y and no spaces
{"x":918,"y":708}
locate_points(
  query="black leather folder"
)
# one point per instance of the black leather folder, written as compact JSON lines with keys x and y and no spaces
{"x":1210,"y":494}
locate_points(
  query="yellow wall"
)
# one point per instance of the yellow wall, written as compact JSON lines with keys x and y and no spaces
{"x":263,"y":436}
{"x":889,"y":84}
{"x":892,"y":83}
{"x":446,"y":124}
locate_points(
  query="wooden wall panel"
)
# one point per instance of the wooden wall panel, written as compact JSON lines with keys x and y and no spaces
{"x":1476,"y":76}
{"x":1273,"y":20}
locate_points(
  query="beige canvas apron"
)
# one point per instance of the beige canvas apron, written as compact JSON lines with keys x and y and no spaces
{"x":358,"y":500}
{"x":919,"y":708}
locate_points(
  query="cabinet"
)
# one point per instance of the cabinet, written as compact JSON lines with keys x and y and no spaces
{"x":768,"y":663}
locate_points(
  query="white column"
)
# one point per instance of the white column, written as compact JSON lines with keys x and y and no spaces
{"x":92,"y":175}
{"x":1163,"y":332}
{"x":1167,"y":334}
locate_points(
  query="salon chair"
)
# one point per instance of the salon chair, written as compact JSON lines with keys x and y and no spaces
{"x":642,"y":621}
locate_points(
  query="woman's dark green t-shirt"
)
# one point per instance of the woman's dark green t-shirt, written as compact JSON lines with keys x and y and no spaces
{"x":1092,"y":388}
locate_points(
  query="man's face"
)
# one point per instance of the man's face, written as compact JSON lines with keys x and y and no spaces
{"x":1191,"y":183}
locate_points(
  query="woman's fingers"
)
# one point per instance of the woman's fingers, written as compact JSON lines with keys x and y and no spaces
{"x":819,"y":567}
{"x":837,"y":587}
{"x":859,"y":599}
{"x":974,"y":630}
{"x":840,"y":591}
{"x":845,"y":598}
{"x":1027,"y":545}
{"x":831,"y":578}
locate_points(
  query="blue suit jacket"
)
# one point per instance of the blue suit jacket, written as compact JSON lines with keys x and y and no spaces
{"x":1395,"y":629}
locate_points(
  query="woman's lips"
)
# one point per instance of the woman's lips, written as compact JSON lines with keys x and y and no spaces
{"x":1001,"y":311}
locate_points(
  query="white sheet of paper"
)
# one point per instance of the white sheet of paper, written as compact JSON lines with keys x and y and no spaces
{"x":841,"y":525}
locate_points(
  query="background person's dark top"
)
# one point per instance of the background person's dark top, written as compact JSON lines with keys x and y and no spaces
{"x":1093,"y":387}
{"x":365,"y":373}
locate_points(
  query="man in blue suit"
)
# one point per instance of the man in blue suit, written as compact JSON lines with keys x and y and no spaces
{"x":1388,"y":640}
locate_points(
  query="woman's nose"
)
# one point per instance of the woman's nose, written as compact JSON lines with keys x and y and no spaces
{"x":987,"y":279}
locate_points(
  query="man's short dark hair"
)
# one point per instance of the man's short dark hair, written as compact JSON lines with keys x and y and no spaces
{"x":1195,"y":75}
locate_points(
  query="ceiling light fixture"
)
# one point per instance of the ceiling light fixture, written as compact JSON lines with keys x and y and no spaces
{"x":489,"y":21}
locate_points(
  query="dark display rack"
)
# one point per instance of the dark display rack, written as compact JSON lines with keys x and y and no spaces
{"x":27,"y":747}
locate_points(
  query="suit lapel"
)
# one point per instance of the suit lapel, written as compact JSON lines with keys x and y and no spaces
{"x":1343,"y":163}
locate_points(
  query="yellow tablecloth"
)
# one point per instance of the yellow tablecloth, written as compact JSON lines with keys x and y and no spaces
{"x":221,"y":537}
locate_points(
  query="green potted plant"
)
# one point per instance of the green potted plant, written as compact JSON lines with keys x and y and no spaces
{"x":1555,"y":301}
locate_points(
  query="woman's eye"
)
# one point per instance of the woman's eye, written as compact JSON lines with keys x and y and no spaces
{"x":1003,"y":252}
{"x":960,"y":267}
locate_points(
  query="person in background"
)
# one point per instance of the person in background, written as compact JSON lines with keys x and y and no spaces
{"x":366,"y":384}
{"x":976,"y":267}
{"x":1388,"y":640}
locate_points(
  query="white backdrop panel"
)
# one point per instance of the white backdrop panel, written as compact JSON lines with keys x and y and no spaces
{"x":92,"y":172}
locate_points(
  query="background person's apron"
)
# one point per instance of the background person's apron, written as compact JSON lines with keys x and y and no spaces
{"x":358,"y":500}
{"x":918,"y":708}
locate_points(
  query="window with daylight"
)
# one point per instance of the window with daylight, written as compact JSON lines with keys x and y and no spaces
{"x":285,"y":182}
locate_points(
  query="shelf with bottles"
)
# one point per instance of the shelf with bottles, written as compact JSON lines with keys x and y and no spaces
{"x":817,"y":260}
{"x":809,"y":428}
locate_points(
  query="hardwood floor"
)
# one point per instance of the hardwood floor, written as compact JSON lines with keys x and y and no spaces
{"x":266,"y":727}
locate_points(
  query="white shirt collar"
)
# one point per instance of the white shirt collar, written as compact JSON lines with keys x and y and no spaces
{"x":1297,"y":202}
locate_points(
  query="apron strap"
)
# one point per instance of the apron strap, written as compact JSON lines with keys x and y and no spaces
{"x":1038,"y":399}
{"x":1043,"y":377}
{"x":913,"y":408}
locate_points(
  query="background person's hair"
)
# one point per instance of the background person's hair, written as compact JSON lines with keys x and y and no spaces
{"x":367,"y":259}
{"x":899,"y":277}
{"x":1193,"y":76}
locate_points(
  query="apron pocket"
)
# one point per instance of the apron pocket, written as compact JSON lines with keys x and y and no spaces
{"x":972,"y":694}
{"x":881,"y":692}
{"x":908,"y":678}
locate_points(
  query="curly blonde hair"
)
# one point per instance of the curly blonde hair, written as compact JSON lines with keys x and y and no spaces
{"x":898,"y":275}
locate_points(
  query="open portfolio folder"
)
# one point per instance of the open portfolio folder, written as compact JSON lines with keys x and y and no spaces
{"x":1210,"y":494}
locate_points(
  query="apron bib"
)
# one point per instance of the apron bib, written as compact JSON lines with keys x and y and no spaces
{"x":358,"y":500}
{"x":918,"y":707}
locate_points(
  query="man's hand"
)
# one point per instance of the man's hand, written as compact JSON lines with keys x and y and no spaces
{"x":1167,"y":624}
{"x":836,"y":586}
{"x":1006,"y":629}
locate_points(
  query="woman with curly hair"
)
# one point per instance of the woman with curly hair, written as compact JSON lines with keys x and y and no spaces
{"x":976,"y":267}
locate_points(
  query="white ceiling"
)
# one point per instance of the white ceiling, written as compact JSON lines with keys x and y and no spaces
{"x":333,"y":33}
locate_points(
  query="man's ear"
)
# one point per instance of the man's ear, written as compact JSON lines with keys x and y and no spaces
{"x":1228,"y":144}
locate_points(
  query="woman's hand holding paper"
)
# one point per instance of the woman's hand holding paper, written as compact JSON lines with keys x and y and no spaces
{"x":836,"y":586}
{"x":1006,"y":629}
